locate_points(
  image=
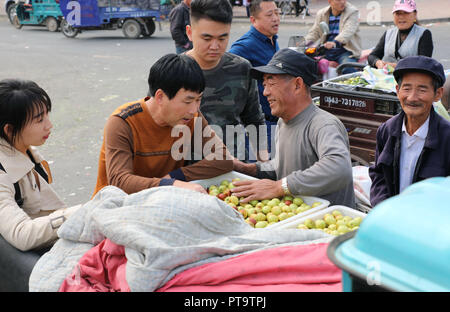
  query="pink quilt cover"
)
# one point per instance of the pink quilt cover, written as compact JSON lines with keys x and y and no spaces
{"x":300,"y":268}
{"x":282,"y":269}
{"x":101,"y":269}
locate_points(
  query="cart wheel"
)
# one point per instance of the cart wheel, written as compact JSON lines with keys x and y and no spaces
{"x":16,"y":22}
{"x":51,"y":23}
{"x":131,"y":29}
{"x":12,"y":12}
{"x":68,"y":30}
{"x":151,"y":27}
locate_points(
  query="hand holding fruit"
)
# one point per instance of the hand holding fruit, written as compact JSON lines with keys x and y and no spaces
{"x":388,"y":68}
{"x":257,"y":189}
{"x":379,"y":64}
{"x":388,"y":65}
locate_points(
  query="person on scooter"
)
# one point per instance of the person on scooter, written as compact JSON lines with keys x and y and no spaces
{"x":30,"y":210}
{"x":342,"y":43}
{"x":406,"y":39}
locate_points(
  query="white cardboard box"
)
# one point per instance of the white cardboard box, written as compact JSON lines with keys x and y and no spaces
{"x":309,"y":200}
{"x":346,"y":211}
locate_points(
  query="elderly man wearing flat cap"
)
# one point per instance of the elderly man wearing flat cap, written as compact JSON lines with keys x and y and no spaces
{"x":415,"y":144}
{"x":312,"y":148}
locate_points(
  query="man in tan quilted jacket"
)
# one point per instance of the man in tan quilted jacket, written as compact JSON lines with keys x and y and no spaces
{"x":342,"y":43}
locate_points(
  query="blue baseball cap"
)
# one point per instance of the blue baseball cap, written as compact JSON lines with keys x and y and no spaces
{"x":288,"y":61}
{"x":422,"y":64}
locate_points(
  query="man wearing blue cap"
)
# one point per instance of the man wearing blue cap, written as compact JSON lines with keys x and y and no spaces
{"x":415,"y":144}
{"x":312,"y":148}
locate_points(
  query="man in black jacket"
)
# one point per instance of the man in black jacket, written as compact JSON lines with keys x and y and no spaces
{"x":415,"y":144}
{"x":179,"y":19}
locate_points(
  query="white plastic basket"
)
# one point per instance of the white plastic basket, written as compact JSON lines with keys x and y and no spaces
{"x":309,"y":200}
{"x":346,"y":211}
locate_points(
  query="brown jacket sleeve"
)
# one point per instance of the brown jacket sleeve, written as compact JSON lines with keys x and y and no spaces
{"x":217,"y":159}
{"x":119,"y":158}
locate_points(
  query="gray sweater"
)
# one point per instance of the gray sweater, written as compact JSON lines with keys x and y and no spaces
{"x":314,"y":154}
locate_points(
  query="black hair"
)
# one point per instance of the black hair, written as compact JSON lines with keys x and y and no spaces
{"x":215,"y":10}
{"x":20,"y":102}
{"x":255,"y":6}
{"x":173,"y":72}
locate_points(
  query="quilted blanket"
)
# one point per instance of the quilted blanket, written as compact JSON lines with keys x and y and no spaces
{"x":164,"y":231}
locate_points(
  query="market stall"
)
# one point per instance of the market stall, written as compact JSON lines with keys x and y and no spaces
{"x":172,"y":239}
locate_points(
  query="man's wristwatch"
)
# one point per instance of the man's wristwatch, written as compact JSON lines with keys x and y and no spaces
{"x":284,"y":186}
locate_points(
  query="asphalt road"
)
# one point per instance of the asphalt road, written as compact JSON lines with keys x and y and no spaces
{"x":89,"y":76}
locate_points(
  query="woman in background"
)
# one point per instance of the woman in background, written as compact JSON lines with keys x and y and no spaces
{"x":406,"y":39}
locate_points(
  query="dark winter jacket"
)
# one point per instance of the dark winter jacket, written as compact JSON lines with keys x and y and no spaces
{"x":434,"y":160}
{"x":179,"y":19}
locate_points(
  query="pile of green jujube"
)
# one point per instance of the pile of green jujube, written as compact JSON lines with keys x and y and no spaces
{"x":261,"y":213}
{"x":334,"y":223}
{"x":355,"y":81}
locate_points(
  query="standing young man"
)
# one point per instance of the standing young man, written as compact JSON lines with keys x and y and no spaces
{"x":258,"y":46}
{"x":231,"y":95}
{"x":141,"y":144}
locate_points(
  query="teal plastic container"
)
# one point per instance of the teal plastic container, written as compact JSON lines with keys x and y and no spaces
{"x":402,"y":245}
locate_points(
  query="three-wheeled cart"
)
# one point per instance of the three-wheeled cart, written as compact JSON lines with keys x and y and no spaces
{"x":360,"y":108}
{"x":135,"y":17}
{"x":37,"y":12}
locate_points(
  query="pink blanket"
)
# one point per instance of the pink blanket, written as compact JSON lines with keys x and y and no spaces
{"x":101,"y":269}
{"x":279,"y":269}
{"x":282,"y":269}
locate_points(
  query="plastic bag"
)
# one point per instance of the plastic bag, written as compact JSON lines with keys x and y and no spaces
{"x":378,"y":79}
{"x":362,"y":184}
